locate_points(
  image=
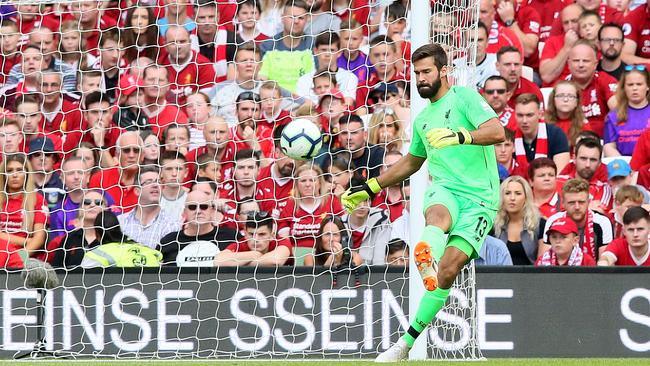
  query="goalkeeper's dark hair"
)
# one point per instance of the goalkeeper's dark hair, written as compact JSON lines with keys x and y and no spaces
{"x":433,"y":50}
{"x":634,"y":214}
{"x":326,"y":39}
{"x":395,"y":245}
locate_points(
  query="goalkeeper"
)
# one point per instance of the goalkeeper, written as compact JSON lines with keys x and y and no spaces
{"x":452,"y":134}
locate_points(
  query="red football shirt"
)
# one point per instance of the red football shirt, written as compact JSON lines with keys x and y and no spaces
{"x":641,"y":154}
{"x":526,"y":86}
{"x":198,"y":73}
{"x":624,"y":257}
{"x":12,"y":215}
{"x":636,"y":27}
{"x":507,"y":118}
{"x":594,"y":100}
{"x":227,"y":162}
{"x":67,"y":124}
{"x":395,"y":209}
{"x":549,"y":11}
{"x":280,"y":189}
{"x":6,"y":63}
{"x":283,"y":118}
{"x":364,"y":88}
{"x":552,"y":47}
{"x":273,"y":245}
{"x":501,"y":36}
{"x":551,"y":207}
{"x":166,"y":116}
{"x":304,"y":224}
{"x":529,"y":20}
{"x":110,"y":181}
{"x":263,"y":198}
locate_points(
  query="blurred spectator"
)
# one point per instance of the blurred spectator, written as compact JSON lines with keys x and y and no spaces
{"x":369,"y":229}
{"x":641,"y":154}
{"x":397,"y":253}
{"x":276,"y":180}
{"x":606,"y":13}
{"x":140,"y":35}
{"x":385,"y":129}
{"x":93,"y":23}
{"x":633,"y":249}
{"x":30,"y":118}
{"x":148,"y":222}
{"x":555,"y":55}
{"x":352,"y":58}
{"x":208,"y":168}
{"x":524,"y":21}
{"x":109,"y":62}
{"x":510,"y":67}
{"x":635,"y":51}
{"x":564,"y":110}
{"x":99,"y":128}
{"x":367,"y":158}
{"x":594,"y":228}
{"x":42,"y":39}
{"x":187,"y":69}
{"x":610,"y":41}
{"x":485,"y":62}
{"x":585,"y":166}
{"x":261,"y":247}
{"x":390,"y":199}
{"x":331,"y":109}
{"x":210,"y":39}
{"x":154,"y":103}
{"x":116,"y":249}
{"x":497,"y":95}
{"x":518,"y":222}
{"x":302,"y":216}
{"x":288,"y":55}
{"x":341,"y":173}
{"x":172,"y":172}
{"x":61,"y":110}
{"x":321,"y":18}
{"x":494,"y":252}
{"x":624,"y":125}
{"x":119,"y":181}
{"x":176,"y":139}
{"x":11,"y":140}
{"x":245,"y":182}
{"x":151,"y":148}
{"x":383,"y":56}
{"x":588,"y":25}
{"x":47,"y":181}
{"x":247,"y":28}
{"x":199,"y":240}
{"x":505,"y":154}
{"x":198,"y":110}
{"x":619,"y":174}
{"x":32,"y":64}
{"x":499,"y":36}
{"x":272,"y":115}
{"x":128,"y":115}
{"x":247,"y":134}
{"x":217,"y":146}
{"x":89,"y":81}
{"x":333,"y":246}
{"x":175,"y":15}
{"x":9,"y":51}
{"x":626,"y":197}
{"x":542,"y":175}
{"x":67,"y":249}
{"x":565,"y":249}
{"x":90,"y":157}
{"x":23,"y":212}
{"x":536,"y":139}
{"x":597,"y":88}
{"x":326,"y":50}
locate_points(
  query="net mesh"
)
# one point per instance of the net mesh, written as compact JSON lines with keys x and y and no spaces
{"x":113,"y":118}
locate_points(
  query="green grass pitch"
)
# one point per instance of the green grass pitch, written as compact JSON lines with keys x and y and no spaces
{"x":490,"y":362}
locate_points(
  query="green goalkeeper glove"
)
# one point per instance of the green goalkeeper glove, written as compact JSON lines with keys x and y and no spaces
{"x":354,"y":196}
{"x":443,"y":137}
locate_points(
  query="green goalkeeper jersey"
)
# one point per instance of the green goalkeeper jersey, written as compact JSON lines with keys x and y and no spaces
{"x":469,"y":171}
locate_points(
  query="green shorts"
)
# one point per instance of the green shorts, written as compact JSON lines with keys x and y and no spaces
{"x":469,"y":220}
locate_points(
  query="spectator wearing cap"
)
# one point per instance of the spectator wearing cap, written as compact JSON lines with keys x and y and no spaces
{"x":43,"y":157}
{"x":383,"y":57}
{"x":587,"y":162}
{"x":61,"y":111}
{"x":30,"y":118}
{"x":197,"y":243}
{"x":147,"y":223}
{"x":260,"y":248}
{"x":288,"y":55}
{"x":497,"y":95}
{"x":510,"y":66}
{"x":128,"y":114}
{"x":555,"y":55}
{"x":327,"y":50}
{"x":594,"y":228}
{"x":159,"y":111}
{"x":627,"y":196}
{"x":100,"y":130}
{"x":619,"y":173}
{"x":331,"y":109}
{"x":633,"y":249}
{"x":119,"y":181}
{"x":188,"y":70}
{"x":624,"y":125}
{"x":565,"y":249}
{"x":247,"y":134}
{"x":494,"y":252}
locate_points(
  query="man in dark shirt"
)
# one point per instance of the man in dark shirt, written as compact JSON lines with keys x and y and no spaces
{"x":610,"y":39}
{"x":200,"y":240}
{"x":353,"y":139}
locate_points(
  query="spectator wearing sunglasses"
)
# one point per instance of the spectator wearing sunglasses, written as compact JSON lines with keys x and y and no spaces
{"x":148,"y":222}
{"x":260,"y":248}
{"x":119,"y":181}
{"x":200,"y":239}
{"x":496,"y":93}
{"x":624,"y":125}
{"x":68,"y":250}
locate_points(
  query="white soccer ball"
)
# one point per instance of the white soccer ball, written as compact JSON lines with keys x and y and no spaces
{"x":301,"y":139}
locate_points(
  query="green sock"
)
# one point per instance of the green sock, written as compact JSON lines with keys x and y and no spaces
{"x":431,"y":303}
{"x":435,"y":237}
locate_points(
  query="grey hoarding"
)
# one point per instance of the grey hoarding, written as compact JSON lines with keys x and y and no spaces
{"x":522,"y":313}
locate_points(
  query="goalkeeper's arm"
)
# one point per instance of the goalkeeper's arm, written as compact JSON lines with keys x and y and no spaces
{"x":401,"y":170}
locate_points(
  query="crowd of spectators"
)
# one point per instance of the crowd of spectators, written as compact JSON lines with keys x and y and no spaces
{"x":146,"y":133}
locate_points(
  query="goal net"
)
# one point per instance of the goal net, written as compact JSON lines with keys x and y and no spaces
{"x":141,"y":158}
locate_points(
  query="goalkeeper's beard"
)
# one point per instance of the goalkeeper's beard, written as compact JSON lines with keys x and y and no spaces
{"x":428,"y":91}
